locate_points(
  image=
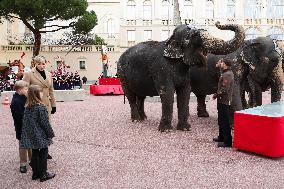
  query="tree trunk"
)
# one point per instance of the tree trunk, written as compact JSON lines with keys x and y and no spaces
{"x":37,"y":43}
{"x":177,"y":19}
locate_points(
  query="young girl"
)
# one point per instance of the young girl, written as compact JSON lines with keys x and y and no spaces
{"x":37,"y":133}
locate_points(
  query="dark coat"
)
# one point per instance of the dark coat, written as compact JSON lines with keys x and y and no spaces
{"x":36,"y":132}
{"x":17,"y":109}
{"x":225,"y":87}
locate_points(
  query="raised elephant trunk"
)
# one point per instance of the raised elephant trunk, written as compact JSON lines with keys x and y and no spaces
{"x":221,"y":47}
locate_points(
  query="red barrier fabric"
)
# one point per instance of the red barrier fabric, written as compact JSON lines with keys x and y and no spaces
{"x":106,"y":89}
{"x":259,"y":134}
{"x":109,"y":81}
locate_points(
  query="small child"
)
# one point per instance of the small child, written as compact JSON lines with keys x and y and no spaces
{"x":17,"y":109}
{"x":37,"y":133}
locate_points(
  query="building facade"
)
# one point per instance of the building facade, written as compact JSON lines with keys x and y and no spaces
{"x":124,"y":23}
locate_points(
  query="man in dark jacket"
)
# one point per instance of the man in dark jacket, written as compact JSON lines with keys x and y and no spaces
{"x":17,"y":109}
{"x":224,"y":98}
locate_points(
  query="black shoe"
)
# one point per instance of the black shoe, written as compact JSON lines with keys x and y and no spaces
{"x":35,"y":177}
{"x":23,"y":169}
{"x":49,"y":156}
{"x":217,"y":139}
{"x":222,"y":144}
{"x":47,"y":176}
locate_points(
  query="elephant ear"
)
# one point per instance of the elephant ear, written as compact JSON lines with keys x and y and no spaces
{"x":173,"y":48}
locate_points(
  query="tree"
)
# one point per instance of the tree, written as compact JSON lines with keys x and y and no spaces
{"x":35,"y":14}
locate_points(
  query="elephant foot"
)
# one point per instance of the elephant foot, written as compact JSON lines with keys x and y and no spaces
{"x":202,"y":114}
{"x":183,"y":126}
{"x":165,"y":127}
{"x":143,"y":117}
{"x":135,"y":117}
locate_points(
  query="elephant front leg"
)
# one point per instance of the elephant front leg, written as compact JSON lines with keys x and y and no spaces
{"x":167,"y":99}
{"x":201,"y":106}
{"x":183,"y":95}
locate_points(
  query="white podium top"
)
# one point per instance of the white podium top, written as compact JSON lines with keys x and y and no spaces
{"x":275,"y":109}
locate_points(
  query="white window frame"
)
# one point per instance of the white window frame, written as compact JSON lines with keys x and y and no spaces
{"x":147,"y":10}
{"x":147,"y":35}
{"x":165,"y":34}
{"x":253,"y":9}
{"x":231,"y":9}
{"x":210,"y":12}
{"x":85,"y":65}
{"x":131,"y":10}
{"x":275,"y":9}
{"x":111,"y":28}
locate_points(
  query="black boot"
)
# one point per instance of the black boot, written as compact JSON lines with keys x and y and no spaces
{"x":47,"y":176}
{"x":49,"y":156}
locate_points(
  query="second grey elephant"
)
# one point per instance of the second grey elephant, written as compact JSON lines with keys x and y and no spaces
{"x":257,"y":67}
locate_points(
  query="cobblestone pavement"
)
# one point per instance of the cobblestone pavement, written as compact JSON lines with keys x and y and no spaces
{"x":97,"y":146}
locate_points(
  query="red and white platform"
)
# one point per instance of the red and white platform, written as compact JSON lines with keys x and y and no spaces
{"x":260,"y":130}
{"x":107,"y":86}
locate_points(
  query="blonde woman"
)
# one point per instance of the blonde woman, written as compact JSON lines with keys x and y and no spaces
{"x":37,"y":133}
{"x":39,"y":76}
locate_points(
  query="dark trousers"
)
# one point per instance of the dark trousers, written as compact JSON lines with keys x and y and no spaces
{"x":39,"y":161}
{"x":224,"y":124}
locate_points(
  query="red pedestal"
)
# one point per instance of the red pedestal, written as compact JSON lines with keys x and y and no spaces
{"x":106,"y":89}
{"x":260,"y":130}
{"x":109,"y":81}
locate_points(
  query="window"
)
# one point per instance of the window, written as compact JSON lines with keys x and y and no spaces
{"x":188,"y":9}
{"x":131,"y":37}
{"x":111,"y":28}
{"x":231,"y":9}
{"x":253,"y":9}
{"x":165,"y":34}
{"x":147,"y":10}
{"x":275,"y":33}
{"x":82,"y":64}
{"x":147,"y":35}
{"x":58,"y":63}
{"x":209,"y":9}
{"x":275,"y":9}
{"x":252,"y":33}
{"x":130,"y":11}
{"x":167,"y":10}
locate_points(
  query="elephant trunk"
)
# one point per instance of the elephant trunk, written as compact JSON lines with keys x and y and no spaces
{"x":221,"y":47}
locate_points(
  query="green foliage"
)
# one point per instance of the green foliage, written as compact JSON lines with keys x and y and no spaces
{"x":85,"y":23}
{"x":99,"y":41}
{"x":37,"y":12}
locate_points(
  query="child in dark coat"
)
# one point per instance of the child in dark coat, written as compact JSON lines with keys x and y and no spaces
{"x":17,"y":109}
{"x":37,"y":133}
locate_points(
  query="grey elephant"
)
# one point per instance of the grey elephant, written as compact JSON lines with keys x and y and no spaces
{"x":257,"y":67}
{"x":162,"y":68}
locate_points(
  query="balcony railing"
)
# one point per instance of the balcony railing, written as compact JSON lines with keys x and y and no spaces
{"x":130,"y":43}
{"x":147,"y":22}
{"x":131,"y":22}
{"x":188,"y":21}
{"x":54,"y":48}
{"x":209,"y":21}
{"x":166,"y":22}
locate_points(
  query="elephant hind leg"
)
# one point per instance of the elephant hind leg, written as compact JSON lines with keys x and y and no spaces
{"x":140,"y":104}
{"x":132,"y":99}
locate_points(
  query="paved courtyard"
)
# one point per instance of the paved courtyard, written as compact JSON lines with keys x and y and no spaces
{"x":97,"y":146}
